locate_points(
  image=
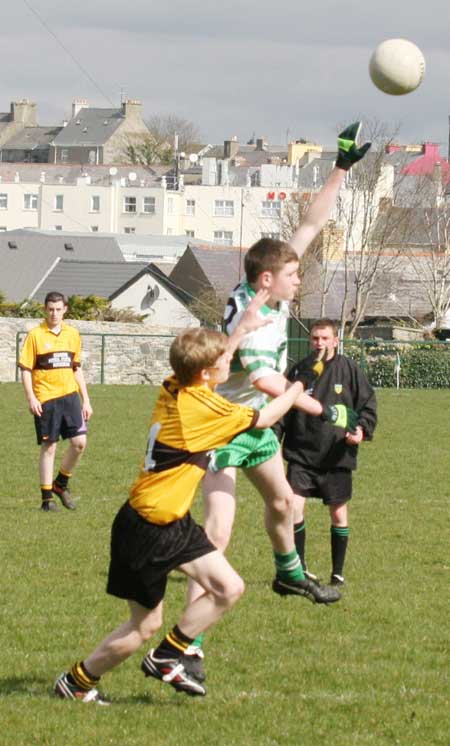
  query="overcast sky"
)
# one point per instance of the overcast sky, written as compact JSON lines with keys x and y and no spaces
{"x":277,"y":68}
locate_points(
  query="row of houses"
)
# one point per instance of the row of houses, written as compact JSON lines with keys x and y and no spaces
{"x":89,"y":136}
{"x":163,"y":289}
{"x":116,"y":199}
{"x":75,"y":217}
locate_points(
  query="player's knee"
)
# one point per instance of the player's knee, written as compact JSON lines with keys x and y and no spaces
{"x":233,"y":590}
{"x":148,"y":630}
{"x":79,"y":446}
{"x":280,"y":506}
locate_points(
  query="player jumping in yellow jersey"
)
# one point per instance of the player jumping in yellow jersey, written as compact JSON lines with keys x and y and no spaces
{"x":154,"y":533}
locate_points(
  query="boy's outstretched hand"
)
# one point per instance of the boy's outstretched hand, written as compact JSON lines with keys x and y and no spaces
{"x":250,"y":320}
{"x":348,"y":151}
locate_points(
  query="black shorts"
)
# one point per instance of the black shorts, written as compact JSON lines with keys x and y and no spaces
{"x":60,"y":417}
{"x":334,"y":486}
{"x":143,"y":554}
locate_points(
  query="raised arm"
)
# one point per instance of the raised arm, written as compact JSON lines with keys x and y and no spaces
{"x":321,"y":207}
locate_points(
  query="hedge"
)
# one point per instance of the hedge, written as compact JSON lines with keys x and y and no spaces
{"x":423,"y":365}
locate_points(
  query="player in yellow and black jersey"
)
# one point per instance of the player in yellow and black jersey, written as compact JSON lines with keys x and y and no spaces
{"x":53,"y":381}
{"x":154,"y":533}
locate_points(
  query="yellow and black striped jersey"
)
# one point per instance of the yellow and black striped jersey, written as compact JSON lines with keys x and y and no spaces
{"x":51,"y":357}
{"x":187,"y":423}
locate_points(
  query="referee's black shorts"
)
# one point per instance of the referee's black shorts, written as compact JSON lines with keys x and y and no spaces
{"x":333,"y":486}
{"x":143,"y":554}
{"x":60,"y":417}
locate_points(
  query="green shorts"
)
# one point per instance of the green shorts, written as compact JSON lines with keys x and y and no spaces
{"x":246,"y":450}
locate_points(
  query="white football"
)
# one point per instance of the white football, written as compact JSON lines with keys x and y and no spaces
{"x":397,"y":67}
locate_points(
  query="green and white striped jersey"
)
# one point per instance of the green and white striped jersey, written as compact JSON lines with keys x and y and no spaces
{"x":260,"y":353}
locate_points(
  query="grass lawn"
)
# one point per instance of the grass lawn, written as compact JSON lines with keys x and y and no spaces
{"x":373,"y":669}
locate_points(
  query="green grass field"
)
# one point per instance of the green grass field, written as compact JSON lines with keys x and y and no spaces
{"x":370,"y":670}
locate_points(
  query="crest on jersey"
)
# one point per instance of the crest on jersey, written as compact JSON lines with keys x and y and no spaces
{"x":338,"y":388}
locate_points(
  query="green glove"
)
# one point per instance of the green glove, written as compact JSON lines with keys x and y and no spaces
{"x":341,"y":416}
{"x":348,"y":151}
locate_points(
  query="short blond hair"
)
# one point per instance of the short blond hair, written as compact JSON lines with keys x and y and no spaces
{"x":195,"y":349}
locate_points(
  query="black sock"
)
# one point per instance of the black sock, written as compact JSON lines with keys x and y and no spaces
{"x":300,"y":541}
{"x":79,"y":676}
{"x":62,"y":479}
{"x":46,"y":493}
{"x":174,"y":644}
{"x":339,"y":542}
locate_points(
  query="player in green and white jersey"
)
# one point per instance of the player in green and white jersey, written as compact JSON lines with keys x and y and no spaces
{"x":258,"y":373}
{"x":262,"y":355}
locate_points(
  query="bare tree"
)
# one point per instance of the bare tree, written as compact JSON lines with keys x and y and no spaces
{"x":164,"y":128}
{"x":146,"y":150}
{"x":159,"y":145}
{"x":368,"y":214}
{"x":431,"y":235}
{"x":349,"y":244}
{"x":321,"y":259}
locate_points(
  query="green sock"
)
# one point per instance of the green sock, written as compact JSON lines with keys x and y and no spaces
{"x":339,"y":543}
{"x":198,"y":642}
{"x":288,"y":566}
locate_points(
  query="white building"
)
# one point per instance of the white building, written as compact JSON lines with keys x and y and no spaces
{"x":136,"y":200}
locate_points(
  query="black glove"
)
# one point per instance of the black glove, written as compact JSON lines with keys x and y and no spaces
{"x":348,"y":151}
{"x":341,"y":416}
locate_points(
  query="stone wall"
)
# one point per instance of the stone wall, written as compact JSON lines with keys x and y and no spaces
{"x":128,"y":353}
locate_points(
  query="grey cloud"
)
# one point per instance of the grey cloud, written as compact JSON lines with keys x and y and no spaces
{"x":250,"y":66}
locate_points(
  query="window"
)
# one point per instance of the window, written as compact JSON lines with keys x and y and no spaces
{"x":92,"y":157}
{"x":170,"y":231}
{"x":190,"y":207}
{"x":64,"y":155}
{"x":170,"y":205}
{"x":224,"y":208}
{"x":275,"y":236}
{"x":30,"y":201}
{"x":148,"y":205}
{"x":59,"y":202}
{"x":2,"y":228}
{"x":95,"y":203}
{"x":3,"y":201}
{"x":129,"y":204}
{"x":129,"y":229}
{"x":270,"y":208}
{"x":190,"y":234}
{"x":94,"y":228}
{"x":57,"y":227}
{"x":223,"y":237}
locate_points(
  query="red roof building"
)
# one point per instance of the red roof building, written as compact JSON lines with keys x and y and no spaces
{"x":427,"y":162}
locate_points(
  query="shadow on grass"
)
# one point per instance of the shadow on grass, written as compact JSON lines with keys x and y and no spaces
{"x":39,"y":687}
{"x":32,"y":685}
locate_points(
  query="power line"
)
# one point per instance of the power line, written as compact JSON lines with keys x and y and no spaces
{"x":68,"y":52}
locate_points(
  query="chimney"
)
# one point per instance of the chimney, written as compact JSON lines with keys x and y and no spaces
{"x":77,"y":105}
{"x":132,"y":109}
{"x":230,"y":147}
{"x":24,"y":111}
